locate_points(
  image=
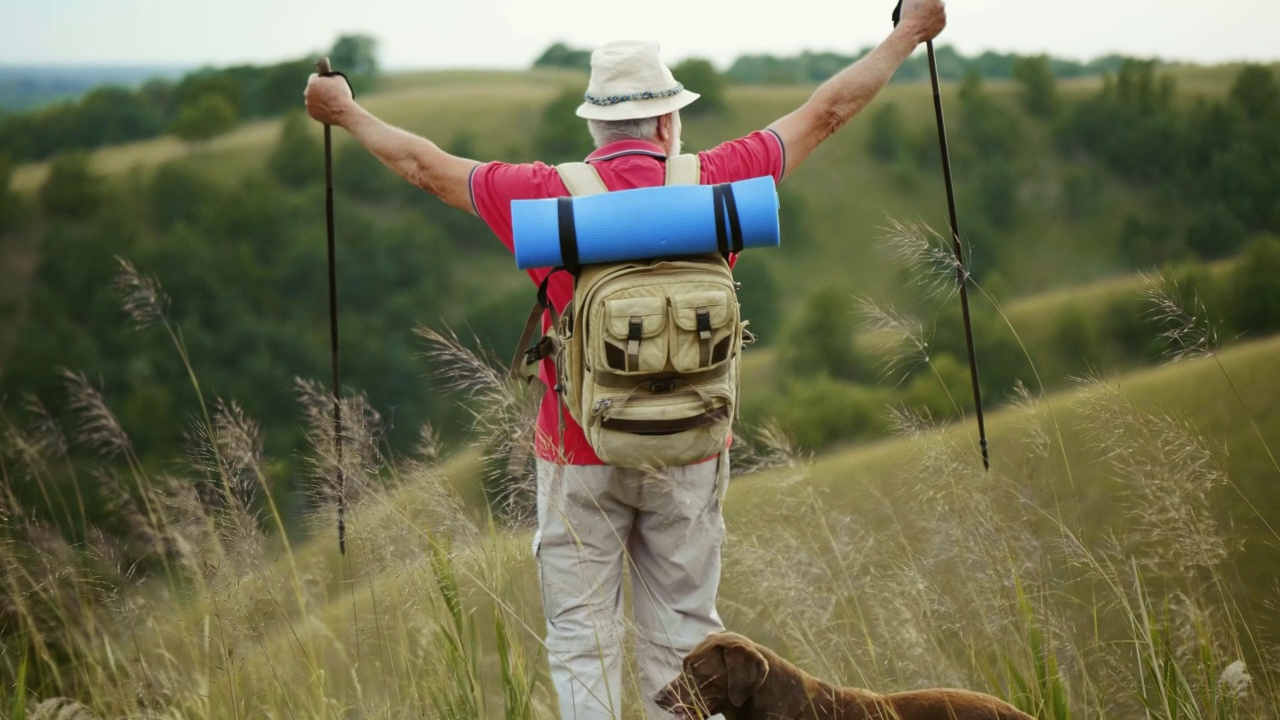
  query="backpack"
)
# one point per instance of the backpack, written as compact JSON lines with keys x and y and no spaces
{"x":647,"y":352}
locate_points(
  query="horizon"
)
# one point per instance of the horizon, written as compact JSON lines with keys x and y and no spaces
{"x":510,"y":34}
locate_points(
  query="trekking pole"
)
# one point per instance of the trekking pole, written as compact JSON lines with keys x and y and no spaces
{"x":322,"y":65}
{"x":962,"y":275}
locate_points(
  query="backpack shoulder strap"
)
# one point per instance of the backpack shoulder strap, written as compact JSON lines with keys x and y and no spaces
{"x":684,"y":170}
{"x":581,"y":179}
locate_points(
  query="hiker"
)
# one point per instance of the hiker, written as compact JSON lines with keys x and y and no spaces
{"x":597,"y":521}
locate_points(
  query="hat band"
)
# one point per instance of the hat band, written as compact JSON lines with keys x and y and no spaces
{"x":646,"y":95}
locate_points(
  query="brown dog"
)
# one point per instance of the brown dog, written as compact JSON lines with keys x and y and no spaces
{"x":731,"y":675}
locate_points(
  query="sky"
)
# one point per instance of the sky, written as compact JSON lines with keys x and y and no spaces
{"x":420,"y":34}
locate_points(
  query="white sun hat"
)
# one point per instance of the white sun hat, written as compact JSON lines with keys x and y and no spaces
{"x":629,"y":81}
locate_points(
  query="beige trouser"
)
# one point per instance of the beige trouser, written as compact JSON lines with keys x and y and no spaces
{"x":596,"y":522}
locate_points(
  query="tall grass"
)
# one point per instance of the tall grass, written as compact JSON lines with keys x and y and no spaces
{"x":1105,"y":595}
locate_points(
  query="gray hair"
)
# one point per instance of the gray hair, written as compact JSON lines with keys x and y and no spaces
{"x":604,"y":132}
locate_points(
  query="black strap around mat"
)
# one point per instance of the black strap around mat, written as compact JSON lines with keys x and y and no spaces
{"x":568,"y":235}
{"x":728,"y":224}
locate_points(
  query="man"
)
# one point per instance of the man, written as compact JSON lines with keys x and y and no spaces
{"x":596,"y":521}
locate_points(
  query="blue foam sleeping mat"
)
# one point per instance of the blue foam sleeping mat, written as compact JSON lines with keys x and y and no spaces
{"x":645,"y":223}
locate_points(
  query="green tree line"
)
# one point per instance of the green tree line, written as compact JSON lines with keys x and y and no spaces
{"x":200,"y":105}
{"x":814,"y":67}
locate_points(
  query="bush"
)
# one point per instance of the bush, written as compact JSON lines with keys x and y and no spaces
{"x":204,"y":118}
{"x":1075,"y":343}
{"x":821,"y":340}
{"x":562,"y":136}
{"x":886,"y":141}
{"x":178,"y":194}
{"x":1255,"y":288}
{"x":71,"y":190}
{"x":1215,"y":232}
{"x":759,"y":296}
{"x":700,"y":76}
{"x":942,"y":391}
{"x":1039,"y":89}
{"x":818,"y":410}
{"x":298,"y":158}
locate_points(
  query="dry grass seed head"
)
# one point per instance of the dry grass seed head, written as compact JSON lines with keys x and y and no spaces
{"x":766,"y":447}
{"x":1183,"y":318}
{"x":916,"y":246}
{"x":97,"y":427}
{"x":141,"y":296}
{"x":503,"y":411}
{"x":362,"y":432}
{"x":905,"y":347}
{"x":1167,"y":471}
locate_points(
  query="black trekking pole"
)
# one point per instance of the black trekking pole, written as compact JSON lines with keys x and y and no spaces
{"x":962,"y":275}
{"x":322,"y":65}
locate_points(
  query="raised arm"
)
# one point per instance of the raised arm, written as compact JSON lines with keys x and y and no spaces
{"x":846,"y":93}
{"x":414,"y":158}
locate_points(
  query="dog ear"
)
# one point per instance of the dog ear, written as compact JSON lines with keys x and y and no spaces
{"x":745,"y":670}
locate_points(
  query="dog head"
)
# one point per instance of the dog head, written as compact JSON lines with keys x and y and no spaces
{"x":721,"y":673}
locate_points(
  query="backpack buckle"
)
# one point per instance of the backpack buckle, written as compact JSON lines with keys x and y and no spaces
{"x":664,"y":385}
{"x":704,"y":323}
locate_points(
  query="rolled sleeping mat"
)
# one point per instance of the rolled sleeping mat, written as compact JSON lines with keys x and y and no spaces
{"x":645,"y":223}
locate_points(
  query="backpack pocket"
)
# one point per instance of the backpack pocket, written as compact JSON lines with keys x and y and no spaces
{"x":705,"y":329}
{"x":634,"y":340}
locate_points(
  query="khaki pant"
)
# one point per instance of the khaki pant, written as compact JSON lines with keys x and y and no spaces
{"x":597,"y":522}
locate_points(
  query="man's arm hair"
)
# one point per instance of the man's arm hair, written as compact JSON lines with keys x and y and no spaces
{"x":846,"y":93}
{"x":414,"y":158}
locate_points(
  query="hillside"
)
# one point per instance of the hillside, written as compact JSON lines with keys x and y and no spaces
{"x":169,"y":504}
{"x":1052,"y":240}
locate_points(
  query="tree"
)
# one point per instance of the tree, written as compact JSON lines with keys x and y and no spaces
{"x":820,"y":341}
{"x":298,"y":159}
{"x":700,"y":76}
{"x":1255,"y":288}
{"x":1215,"y":232}
{"x":988,"y":130}
{"x":885,"y":141}
{"x":1255,"y":90}
{"x":71,"y":190}
{"x":563,"y":56}
{"x":759,"y":296}
{"x":1039,"y":89}
{"x":561,"y":135}
{"x":356,"y":56}
{"x":7,"y":199}
{"x":204,"y":118}
{"x":995,"y":193}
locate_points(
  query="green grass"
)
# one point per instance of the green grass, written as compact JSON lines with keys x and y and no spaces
{"x":1048,"y":580}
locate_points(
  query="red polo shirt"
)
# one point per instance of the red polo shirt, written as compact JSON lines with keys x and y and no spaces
{"x":622,"y":165}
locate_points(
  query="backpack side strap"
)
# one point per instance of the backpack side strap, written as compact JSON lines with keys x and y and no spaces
{"x":581,"y":179}
{"x":684,"y":170}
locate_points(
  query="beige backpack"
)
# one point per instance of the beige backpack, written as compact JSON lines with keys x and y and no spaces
{"x":647,"y":352}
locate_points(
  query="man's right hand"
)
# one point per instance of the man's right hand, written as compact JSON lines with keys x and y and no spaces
{"x":328,"y":99}
{"x":923,"y":18}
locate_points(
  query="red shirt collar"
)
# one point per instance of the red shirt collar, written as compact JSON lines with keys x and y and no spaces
{"x":627,"y":147}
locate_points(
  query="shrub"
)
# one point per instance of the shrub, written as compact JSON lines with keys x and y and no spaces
{"x":71,"y":190}
{"x":561,"y":135}
{"x":818,"y":410}
{"x":700,"y":76}
{"x":821,"y":340}
{"x":298,"y":158}
{"x":1255,"y":288}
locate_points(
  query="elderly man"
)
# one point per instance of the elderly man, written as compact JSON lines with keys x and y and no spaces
{"x":596,"y":522}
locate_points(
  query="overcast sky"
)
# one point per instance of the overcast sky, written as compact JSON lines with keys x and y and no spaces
{"x":511,"y":33}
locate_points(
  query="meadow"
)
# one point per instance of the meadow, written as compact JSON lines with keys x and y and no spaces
{"x":1118,"y":560}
